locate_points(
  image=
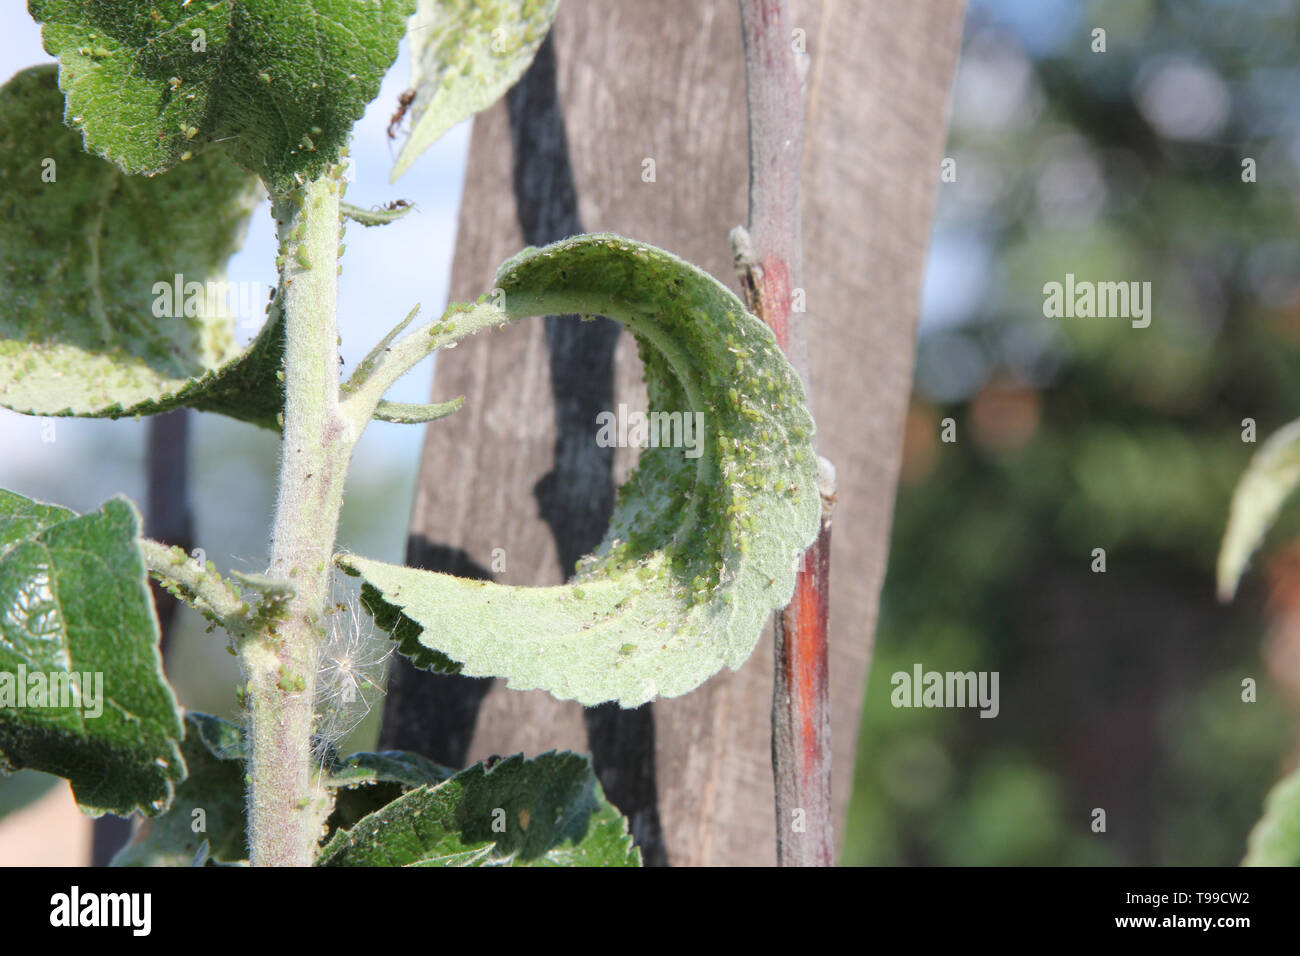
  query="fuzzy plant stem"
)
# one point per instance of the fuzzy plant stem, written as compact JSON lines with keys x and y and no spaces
{"x":287,"y":803}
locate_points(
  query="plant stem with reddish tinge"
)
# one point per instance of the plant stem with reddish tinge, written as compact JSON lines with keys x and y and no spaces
{"x":769,"y":258}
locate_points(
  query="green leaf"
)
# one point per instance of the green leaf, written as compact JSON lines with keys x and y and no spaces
{"x":74,"y":600}
{"x":86,"y":257}
{"x":407,"y":413}
{"x":375,"y":217}
{"x":216,"y":754}
{"x":1275,"y":841}
{"x":209,"y":805}
{"x":1267,"y":482}
{"x":279,"y":83}
{"x":465,"y":54}
{"x":406,"y":633}
{"x":699,"y":551}
{"x":366,"y":782}
{"x":385,"y":766}
{"x":548,"y":811}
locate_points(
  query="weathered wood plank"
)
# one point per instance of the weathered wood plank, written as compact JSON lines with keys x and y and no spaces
{"x":665,"y":82}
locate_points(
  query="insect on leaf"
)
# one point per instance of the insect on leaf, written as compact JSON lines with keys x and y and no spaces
{"x":706,"y":533}
{"x":465,"y":54}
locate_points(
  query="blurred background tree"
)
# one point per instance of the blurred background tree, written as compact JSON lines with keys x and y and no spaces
{"x":1120,"y":690}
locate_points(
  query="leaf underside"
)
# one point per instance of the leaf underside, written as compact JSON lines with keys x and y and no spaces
{"x":277,"y":83}
{"x":699,"y":550}
{"x":547,"y":811}
{"x":78,"y":267}
{"x":1261,"y":491}
{"x":465,"y":54}
{"x":74,"y":599}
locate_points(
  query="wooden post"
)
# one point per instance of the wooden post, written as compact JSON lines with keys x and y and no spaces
{"x":647,"y":127}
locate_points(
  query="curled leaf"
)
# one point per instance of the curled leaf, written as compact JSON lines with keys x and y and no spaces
{"x":707,"y":531}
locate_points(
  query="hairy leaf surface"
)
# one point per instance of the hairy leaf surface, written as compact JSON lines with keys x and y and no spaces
{"x":278,"y":83}
{"x":213,"y":793}
{"x":465,"y":54}
{"x":547,"y":811}
{"x":74,"y":599}
{"x":84,"y":258}
{"x":216,"y":752}
{"x":700,"y":549}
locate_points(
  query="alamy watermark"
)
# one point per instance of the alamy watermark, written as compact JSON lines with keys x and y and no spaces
{"x":213,"y":298}
{"x":632,"y":429}
{"x":67,"y":690}
{"x":1101,"y":300}
{"x":922,"y":688}
{"x":77,"y":909}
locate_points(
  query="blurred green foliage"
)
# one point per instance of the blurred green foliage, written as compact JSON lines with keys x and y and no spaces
{"x":1119,"y":690}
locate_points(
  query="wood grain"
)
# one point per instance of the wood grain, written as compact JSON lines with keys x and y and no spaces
{"x":517,"y":469}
